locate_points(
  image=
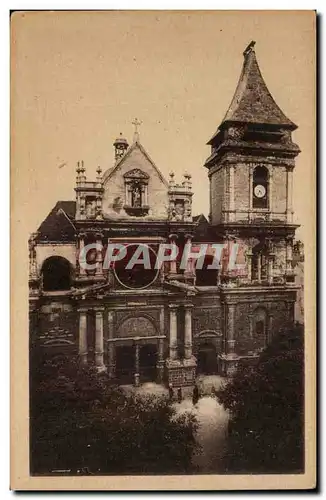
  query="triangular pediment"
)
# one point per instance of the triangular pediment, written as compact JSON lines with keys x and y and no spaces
{"x":135,"y":146}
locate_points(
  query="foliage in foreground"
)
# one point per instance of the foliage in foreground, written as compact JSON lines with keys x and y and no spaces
{"x":266,"y":404}
{"x":79,"y":420}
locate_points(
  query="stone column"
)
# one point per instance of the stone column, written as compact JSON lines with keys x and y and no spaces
{"x":173,"y":332}
{"x":173,"y":263}
{"x":99,"y":256}
{"x":82,"y":270}
{"x":230,"y":341}
{"x":249,"y":265}
{"x":160,"y":354}
{"x":111,"y":347}
{"x":188,"y":331}
{"x":270,"y":261}
{"x":83,"y":336}
{"x":259,"y":267}
{"x":289,"y":194}
{"x":289,"y":257}
{"x":99,"y":340}
{"x":160,"y":361}
{"x":137,"y":374}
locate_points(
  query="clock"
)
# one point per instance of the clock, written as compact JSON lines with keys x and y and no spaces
{"x":259,"y":191}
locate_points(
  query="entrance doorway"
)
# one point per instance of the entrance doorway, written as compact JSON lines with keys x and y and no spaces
{"x":207,"y":359}
{"x":125,"y":364}
{"x":147,"y":362}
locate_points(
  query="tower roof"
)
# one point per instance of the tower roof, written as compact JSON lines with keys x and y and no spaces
{"x":252,"y":102}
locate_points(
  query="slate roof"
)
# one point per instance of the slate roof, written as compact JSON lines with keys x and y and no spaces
{"x":58,"y":226}
{"x":252,"y":101}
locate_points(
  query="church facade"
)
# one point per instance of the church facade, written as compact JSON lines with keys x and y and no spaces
{"x":169,"y":324}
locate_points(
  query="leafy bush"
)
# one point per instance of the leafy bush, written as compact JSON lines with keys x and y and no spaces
{"x":266,"y":403}
{"x":79,"y":421}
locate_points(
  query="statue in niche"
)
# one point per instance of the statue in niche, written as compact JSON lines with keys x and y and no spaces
{"x":179,"y":209}
{"x":136,"y":196}
{"x":90,"y":209}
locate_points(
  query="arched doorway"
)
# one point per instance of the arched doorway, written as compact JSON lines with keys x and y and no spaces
{"x":147,"y":362}
{"x":207,"y":358}
{"x":125,"y":364}
{"x":56,"y":274}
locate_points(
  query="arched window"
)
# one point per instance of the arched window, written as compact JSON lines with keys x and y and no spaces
{"x":259,"y":263}
{"x":260,"y":187}
{"x":56,"y":274}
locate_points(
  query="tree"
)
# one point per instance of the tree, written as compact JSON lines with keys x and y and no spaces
{"x":79,"y":421}
{"x":266,"y":405}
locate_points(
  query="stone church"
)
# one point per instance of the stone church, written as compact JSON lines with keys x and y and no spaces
{"x":170,"y":325}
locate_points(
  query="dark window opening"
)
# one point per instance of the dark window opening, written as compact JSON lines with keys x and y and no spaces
{"x":56,"y":274}
{"x":205,"y":276}
{"x":259,"y":263}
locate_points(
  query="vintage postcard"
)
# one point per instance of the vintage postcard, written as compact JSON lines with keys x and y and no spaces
{"x":163,"y":177}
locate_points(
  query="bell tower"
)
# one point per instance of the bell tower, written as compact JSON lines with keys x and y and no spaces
{"x":250,"y":169}
{"x":252,"y":155}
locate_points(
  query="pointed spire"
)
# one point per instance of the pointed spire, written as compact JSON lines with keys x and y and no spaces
{"x":252,"y":102}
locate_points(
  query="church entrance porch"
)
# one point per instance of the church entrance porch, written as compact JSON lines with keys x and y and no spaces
{"x":207,"y":359}
{"x":136,"y":360}
{"x":147,"y":363}
{"x":125,"y":364}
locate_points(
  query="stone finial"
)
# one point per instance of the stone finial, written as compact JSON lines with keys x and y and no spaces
{"x":171,"y":180}
{"x":187,"y":181}
{"x":99,"y":174}
{"x":249,"y":48}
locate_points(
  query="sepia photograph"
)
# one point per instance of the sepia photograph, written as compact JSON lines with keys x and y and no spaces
{"x":163,"y":236}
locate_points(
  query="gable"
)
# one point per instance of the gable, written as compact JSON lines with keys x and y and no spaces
{"x":135,"y":168}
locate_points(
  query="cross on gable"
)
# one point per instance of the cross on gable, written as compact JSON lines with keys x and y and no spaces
{"x":136,"y":124}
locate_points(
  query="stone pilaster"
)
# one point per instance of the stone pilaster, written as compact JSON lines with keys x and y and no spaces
{"x":160,"y":361}
{"x":229,"y":360}
{"x":251,"y":173}
{"x":289,"y":256}
{"x":111,"y":347}
{"x":289,"y":195}
{"x":188,"y":331}
{"x":173,"y":332}
{"x":160,"y":354}
{"x":99,"y":257}
{"x":99,"y":339}
{"x":137,"y":368}
{"x":230,"y":340}
{"x":249,"y":265}
{"x":83,"y":336}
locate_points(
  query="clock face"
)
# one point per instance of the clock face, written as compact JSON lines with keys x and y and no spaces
{"x":260,"y":191}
